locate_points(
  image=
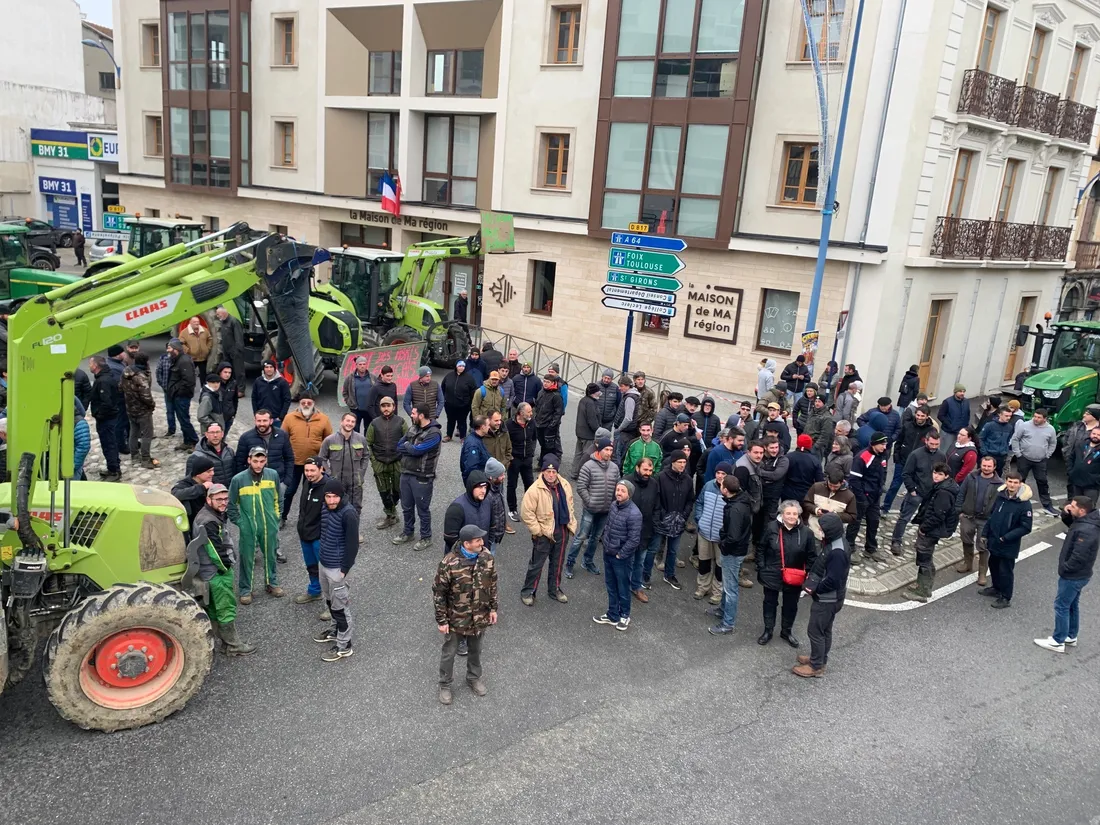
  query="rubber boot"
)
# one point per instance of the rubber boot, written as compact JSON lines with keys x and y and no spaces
{"x":983,"y":567}
{"x":233,"y":644}
{"x":921,"y":590}
{"x":967,"y":563}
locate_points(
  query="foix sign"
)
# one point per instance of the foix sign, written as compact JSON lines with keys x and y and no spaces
{"x":59,"y":143}
{"x":103,"y":147}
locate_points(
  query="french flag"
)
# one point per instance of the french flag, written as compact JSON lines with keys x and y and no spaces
{"x":390,"y":190}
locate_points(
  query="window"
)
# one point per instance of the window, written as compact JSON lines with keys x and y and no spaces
{"x":198,"y":51}
{"x":177,"y":50}
{"x":152,"y":213}
{"x":567,"y":35}
{"x":450,"y":159}
{"x":688,"y":62}
{"x":654,"y":324}
{"x":455,"y":72}
{"x":285,"y":43}
{"x":277,"y":228}
{"x":354,"y":234}
{"x":212,"y":223}
{"x":200,"y":143}
{"x":246,"y":39}
{"x":1076,"y":67}
{"x":1050,"y":193}
{"x":284,"y":143}
{"x":826,"y":24}
{"x":778,"y":317}
{"x":246,"y":149}
{"x":555,"y":166}
{"x":1008,"y":188}
{"x":106,"y":81}
{"x":1035,"y":58}
{"x":154,"y":136}
{"x":956,"y":201}
{"x":990,"y":25}
{"x":385,"y":73}
{"x":800,"y":174}
{"x":543,"y":274}
{"x":150,"y":44}
{"x":382,"y":134}
{"x":656,"y":192}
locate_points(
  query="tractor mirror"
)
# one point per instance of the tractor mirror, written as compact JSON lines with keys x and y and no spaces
{"x":1021,"y":335}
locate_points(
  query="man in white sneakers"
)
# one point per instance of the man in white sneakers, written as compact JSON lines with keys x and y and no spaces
{"x":1075,"y":564}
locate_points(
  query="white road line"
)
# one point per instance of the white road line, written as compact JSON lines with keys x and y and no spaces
{"x":946,"y":590}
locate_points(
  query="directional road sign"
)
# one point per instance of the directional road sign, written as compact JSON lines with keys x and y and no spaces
{"x":640,"y":306}
{"x":644,"y":281}
{"x":657,"y":242}
{"x":632,"y":294}
{"x":656,"y":263}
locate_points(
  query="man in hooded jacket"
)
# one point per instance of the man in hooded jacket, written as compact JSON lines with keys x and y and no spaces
{"x":826,"y":584}
{"x":936,"y":519}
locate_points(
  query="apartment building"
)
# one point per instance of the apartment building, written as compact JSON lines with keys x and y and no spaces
{"x":968,"y":137}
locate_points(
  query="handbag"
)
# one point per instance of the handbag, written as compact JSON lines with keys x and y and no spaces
{"x":793,"y":576}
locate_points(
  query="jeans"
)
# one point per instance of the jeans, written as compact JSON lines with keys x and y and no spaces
{"x":895,"y":485}
{"x":520,"y":468}
{"x":616,"y":575}
{"x":1025,"y":466}
{"x":362,"y":421}
{"x":1067,"y":613}
{"x":925,"y":548}
{"x":416,"y":498}
{"x":170,"y":412}
{"x":295,"y":481}
{"x":182,"y":408}
{"x":865,"y":509}
{"x":311,"y":551}
{"x":909,"y":506}
{"x":731,"y":588}
{"x":1003,"y":571}
{"x":107,"y":430}
{"x":643,"y":562}
{"x":672,"y":547}
{"x":590,"y":528}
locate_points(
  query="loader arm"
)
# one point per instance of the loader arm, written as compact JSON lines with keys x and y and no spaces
{"x":421,"y":263}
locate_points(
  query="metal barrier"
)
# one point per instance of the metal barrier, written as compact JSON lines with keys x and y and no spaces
{"x":578,"y":371}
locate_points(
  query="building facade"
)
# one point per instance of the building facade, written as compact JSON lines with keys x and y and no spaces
{"x":968,"y":137}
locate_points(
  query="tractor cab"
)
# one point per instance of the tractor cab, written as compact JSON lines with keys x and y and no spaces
{"x":366,"y":277}
{"x":18,"y":280}
{"x":149,"y":235}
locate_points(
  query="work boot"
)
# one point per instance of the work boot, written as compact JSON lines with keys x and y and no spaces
{"x":983,"y":567}
{"x":306,"y":598}
{"x":112,"y":477}
{"x":876,"y":555}
{"x":246,"y":598}
{"x":967,"y":563}
{"x":807,"y":671}
{"x":445,"y":697}
{"x":715,"y":598}
{"x":921,"y":589}
{"x":423,"y":544}
{"x":765,"y":637}
{"x":803,"y":659}
{"x":700,"y":593}
{"x":446,"y":439}
{"x":148,"y":463}
{"x":325,"y":616}
{"x":789,"y":638}
{"x":388,"y":520}
{"x":233,"y":644}
{"x":275,"y":590}
{"x":478,"y":687}
{"x":896,"y":548}
{"x":279,"y":557}
{"x":744,"y":581}
{"x":560,"y":597}
{"x":528,"y":600}
{"x":404,"y":538}
{"x":694,"y":562}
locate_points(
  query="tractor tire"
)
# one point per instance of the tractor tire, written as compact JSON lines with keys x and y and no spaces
{"x":210,"y":321}
{"x":401,"y":335}
{"x":96,"y":668}
{"x":457,"y":345}
{"x":297,"y":385}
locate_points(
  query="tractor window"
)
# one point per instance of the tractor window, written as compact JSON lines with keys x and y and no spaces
{"x":1075,"y":349}
{"x":13,"y":252}
{"x":388,"y":273}
{"x":145,"y":240}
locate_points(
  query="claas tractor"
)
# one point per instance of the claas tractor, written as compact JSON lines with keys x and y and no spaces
{"x":96,"y":567}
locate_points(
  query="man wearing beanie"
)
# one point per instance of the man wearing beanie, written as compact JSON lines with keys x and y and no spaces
{"x":826,"y":585}
{"x":803,"y":470}
{"x":425,"y":394}
{"x":190,"y":490}
{"x":498,"y":513}
{"x":338,"y":549}
{"x":621,"y":539}
{"x":180,"y":390}
{"x":678,"y":439}
{"x":588,"y":421}
{"x":596,"y":488}
{"x":458,"y":395}
{"x":549,"y":411}
{"x":710,"y":508}
{"x":866,"y":480}
{"x":548,"y":514}
{"x":117,"y":360}
{"x":610,"y":396}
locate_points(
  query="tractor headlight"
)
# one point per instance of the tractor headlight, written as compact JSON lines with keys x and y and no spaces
{"x":1053,"y":399}
{"x":179,"y":521}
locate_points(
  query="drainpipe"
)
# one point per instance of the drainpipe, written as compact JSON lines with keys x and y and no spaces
{"x":871,"y":186}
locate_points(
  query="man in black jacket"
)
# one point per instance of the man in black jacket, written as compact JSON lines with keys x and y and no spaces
{"x":733,"y":543}
{"x":549,"y":410}
{"x":1075,"y":565}
{"x":827,"y":586}
{"x":106,"y":403}
{"x":675,"y":497}
{"x":917,"y":476}
{"x":797,"y":376}
{"x":645,"y":498}
{"x":866,"y":479}
{"x":190,"y":490}
{"x":1083,"y":467}
{"x":936,"y":519}
{"x":180,"y":391}
{"x":271,"y":392}
{"x":975,"y":502}
{"x":588,"y":421}
{"x":337,"y":551}
{"x":910,"y":438}
{"x":522,"y":432}
{"x":310,"y":506}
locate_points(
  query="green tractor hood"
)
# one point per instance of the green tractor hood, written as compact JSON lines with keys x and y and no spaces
{"x":1059,"y":378}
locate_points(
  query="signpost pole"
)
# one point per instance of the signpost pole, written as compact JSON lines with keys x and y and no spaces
{"x":626,"y":345}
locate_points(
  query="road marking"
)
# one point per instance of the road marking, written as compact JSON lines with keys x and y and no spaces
{"x":946,"y":590}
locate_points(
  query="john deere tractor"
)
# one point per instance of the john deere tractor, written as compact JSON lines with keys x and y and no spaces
{"x":333,"y":328}
{"x":94,"y":566}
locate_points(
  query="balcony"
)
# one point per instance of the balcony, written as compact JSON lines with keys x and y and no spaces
{"x":966,"y":239}
{"x":1087,"y":256}
{"x":999,"y":99}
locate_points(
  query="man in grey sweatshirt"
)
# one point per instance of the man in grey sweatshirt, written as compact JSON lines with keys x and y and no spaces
{"x":1033,"y":443}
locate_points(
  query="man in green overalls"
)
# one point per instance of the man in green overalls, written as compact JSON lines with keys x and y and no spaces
{"x":216,"y":569}
{"x":254,"y":508}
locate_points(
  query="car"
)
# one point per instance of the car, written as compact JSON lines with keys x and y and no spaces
{"x":42,"y":233}
{"x":42,"y":257}
{"x":104,"y":247}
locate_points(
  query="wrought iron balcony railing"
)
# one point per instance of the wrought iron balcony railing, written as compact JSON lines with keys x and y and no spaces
{"x":989,"y":240}
{"x":997,"y":98}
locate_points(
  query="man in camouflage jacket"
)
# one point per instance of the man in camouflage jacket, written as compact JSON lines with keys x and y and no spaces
{"x":465,"y":595}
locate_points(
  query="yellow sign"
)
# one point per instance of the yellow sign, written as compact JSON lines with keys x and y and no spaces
{"x":638,"y":227}
{"x":116,"y":208}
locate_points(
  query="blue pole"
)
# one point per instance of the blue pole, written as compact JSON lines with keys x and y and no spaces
{"x":626,"y":345}
{"x":830,"y":193}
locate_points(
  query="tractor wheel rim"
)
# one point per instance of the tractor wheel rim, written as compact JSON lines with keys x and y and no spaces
{"x":131,"y":668}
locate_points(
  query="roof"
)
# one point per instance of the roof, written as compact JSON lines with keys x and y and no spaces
{"x":13,"y":229}
{"x":1082,"y":325}
{"x":368,"y":254}
{"x":102,"y":31}
{"x":163,"y":223}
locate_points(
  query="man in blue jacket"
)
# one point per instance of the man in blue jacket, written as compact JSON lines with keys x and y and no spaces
{"x":622,"y":536}
{"x":338,"y":548}
{"x":1075,"y":564}
{"x":474,"y":452}
{"x":889,"y":423}
{"x":955,"y":412}
{"x":1009,"y":522}
{"x":996,"y":437}
{"x":710,"y":508}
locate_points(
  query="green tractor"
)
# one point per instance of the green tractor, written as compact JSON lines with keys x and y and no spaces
{"x":1069,"y":381}
{"x":334,"y":328}
{"x":22,"y":276}
{"x":97,"y":568}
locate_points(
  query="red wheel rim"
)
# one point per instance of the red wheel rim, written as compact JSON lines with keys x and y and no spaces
{"x":131,"y":668}
{"x":397,"y":341}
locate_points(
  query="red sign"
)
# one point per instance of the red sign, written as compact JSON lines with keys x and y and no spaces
{"x":404,"y":358}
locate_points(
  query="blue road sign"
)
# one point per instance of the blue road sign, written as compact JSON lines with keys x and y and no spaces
{"x":658,"y":242}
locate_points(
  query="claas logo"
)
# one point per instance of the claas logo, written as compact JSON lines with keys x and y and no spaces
{"x":156,"y":306}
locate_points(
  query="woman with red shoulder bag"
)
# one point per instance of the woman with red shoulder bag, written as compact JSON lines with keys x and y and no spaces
{"x":786,"y":553}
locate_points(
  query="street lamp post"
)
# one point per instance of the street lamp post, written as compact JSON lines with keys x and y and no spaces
{"x":98,"y":44}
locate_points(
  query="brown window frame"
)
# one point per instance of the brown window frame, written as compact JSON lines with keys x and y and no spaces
{"x":970,"y":155}
{"x":359,"y":241}
{"x":1006,"y":196}
{"x":1034,"y":63}
{"x":450,"y":176}
{"x":391,"y":153}
{"x":395,"y":73}
{"x":205,"y":157}
{"x":823,"y":42}
{"x":561,"y":176}
{"x":1077,"y":64}
{"x":1046,"y":201}
{"x":532,"y":309}
{"x":154,"y":128}
{"x":573,"y":38}
{"x":286,"y":25}
{"x":810,"y":149}
{"x":283,"y":128}
{"x":987,"y":43}
{"x":450,"y":80}
{"x":150,"y":45}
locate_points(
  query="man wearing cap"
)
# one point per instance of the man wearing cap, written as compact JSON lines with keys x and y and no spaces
{"x":216,"y":559}
{"x":866,"y":479}
{"x":462,"y":307}
{"x":310,"y":507}
{"x":307,"y":427}
{"x":465,"y":597}
{"x":458,"y":388}
{"x":797,"y":376}
{"x":596,"y":488}
{"x":475,"y":366}
{"x":425,"y":394}
{"x":622,"y":538}
{"x":384,"y":387}
{"x":954,"y":412}
{"x":548,"y":515}
{"x":191,"y":490}
{"x":271,"y":392}
{"x":180,"y":390}
{"x":254,"y":508}
{"x":563,"y":386}
{"x":710,"y":507}
{"x":487,"y":397}
{"x":210,"y":402}
{"x":355,"y":392}
{"x":642,"y":447}
{"x":588,"y":421}
{"x":338,"y":548}
{"x":647,"y":412}
{"x":775,"y":425}
{"x":419,"y":451}
{"x":678,"y":439}
{"x":549,"y":410}
{"x":347,"y":455}
{"x":384,"y":433}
